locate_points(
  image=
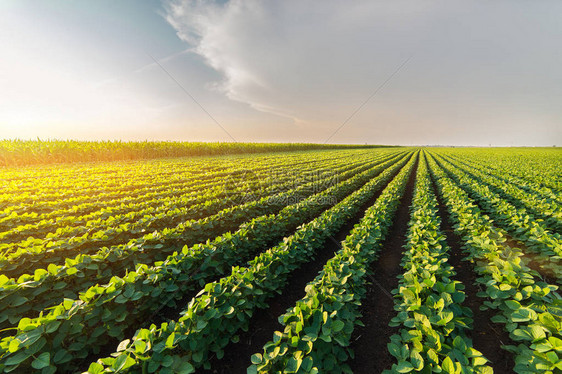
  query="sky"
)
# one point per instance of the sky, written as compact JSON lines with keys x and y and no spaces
{"x":377,"y":72}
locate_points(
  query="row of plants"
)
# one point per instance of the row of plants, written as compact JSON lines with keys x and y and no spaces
{"x":29,"y":294}
{"x":106,"y":177}
{"x":537,"y":168}
{"x":529,"y":309}
{"x":520,"y":225}
{"x":105,"y":186}
{"x":517,"y":221}
{"x":112,"y":229}
{"x":432,"y":320}
{"x":27,"y":259}
{"x":156,"y":201}
{"x":548,"y":209}
{"x":318,"y":328}
{"x":106,"y":312}
{"x":224,"y":308}
{"x":80,"y":198}
{"x":184,"y":180}
{"x":530,"y":186}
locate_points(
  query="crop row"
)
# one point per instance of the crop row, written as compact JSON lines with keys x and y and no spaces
{"x":223,"y":308}
{"x":318,"y":328}
{"x":529,"y":186}
{"x":521,"y":225}
{"x":119,"y":177}
{"x":32,"y":293}
{"x":540,"y":167}
{"x":32,"y":211}
{"x":547,"y":209}
{"x":529,"y":308}
{"x":117,"y":229}
{"x":431,"y":317}
{"x":110,"y":309}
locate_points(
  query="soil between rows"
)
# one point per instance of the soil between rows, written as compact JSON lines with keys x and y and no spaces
{"x":487,"y":337}
{"x":265,"y":322}
{"x":369,"y":342}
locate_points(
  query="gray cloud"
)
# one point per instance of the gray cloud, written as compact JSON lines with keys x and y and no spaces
{"x":482,"y":72}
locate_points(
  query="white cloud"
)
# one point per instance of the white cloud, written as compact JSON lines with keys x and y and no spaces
{"x":282,"y":57}
{"x":315,"y":63}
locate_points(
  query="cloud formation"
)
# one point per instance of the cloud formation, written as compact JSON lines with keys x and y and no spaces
{"x":288,"y":58}
{"x":484,"y":70}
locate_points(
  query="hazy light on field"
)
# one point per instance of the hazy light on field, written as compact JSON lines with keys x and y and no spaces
{"x":481,"y":72}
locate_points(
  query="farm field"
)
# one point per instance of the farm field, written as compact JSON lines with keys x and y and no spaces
{"x":359,"y":260}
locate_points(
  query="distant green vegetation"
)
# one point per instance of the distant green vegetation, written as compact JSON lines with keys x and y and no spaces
{"x":30,"y":152}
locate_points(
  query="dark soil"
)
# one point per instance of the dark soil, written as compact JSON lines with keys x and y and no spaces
{"x":265,"y":322}
{"x":487,"y":337}
{"x":369,"y":342}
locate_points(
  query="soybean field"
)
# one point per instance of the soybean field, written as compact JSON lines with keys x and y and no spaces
{"x":359,"y":260}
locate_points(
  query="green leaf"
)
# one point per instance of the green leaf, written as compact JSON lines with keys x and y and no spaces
{"x":170,"y":340}
{"x":416,"y":360}
{"x":459,"y":343}
{"x":337,"y":326}
{"x":256,"y":358}
{"x":307,"y":364}
{"x":167,"y":361}
{"x":140,"y":346}
{"x":52,"y":326}
{"x":42,"y":361}
{"x":394,"y":349}
{"x":13,"y":346}
{"x":17,"y":359}
{"x":19,"y":300}
{"x":67,"y":303}
{"x":448,"y":365}
{"x":478,"y":361}
{"x":523,"y":314}
{"x":62,"y":356}
{"x":95,"y":368}
{"x":404,"y":367}
{"x":277,"y":336}
{"x":512,"y":304}
{"x":186,"y":368}
{"x":432,"y":355}
{"x":198,"y":356}
{"x":556,"y":343}
{"x":123,"y":345}
{"x":121,"y":299}
{"x":122,"y":362}
{"x":293,"y":365}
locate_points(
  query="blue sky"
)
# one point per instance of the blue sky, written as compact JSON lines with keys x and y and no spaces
{"x":480,"y":72}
